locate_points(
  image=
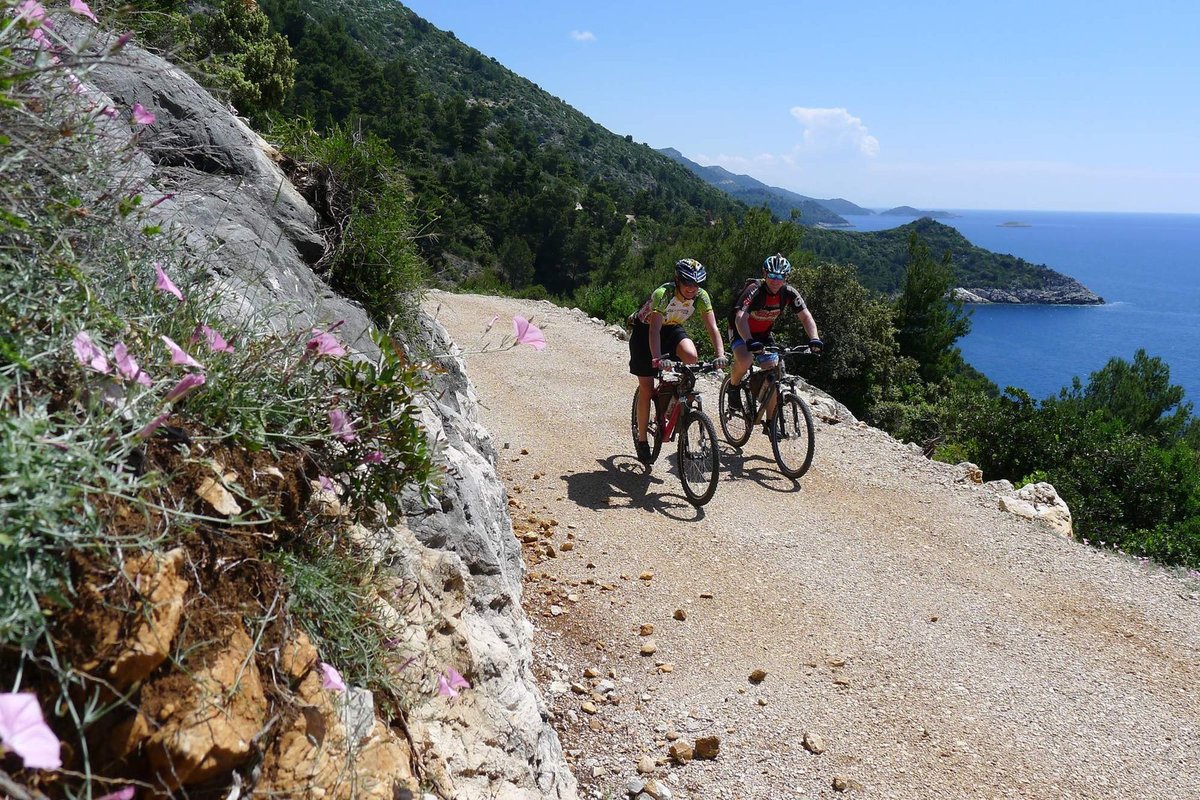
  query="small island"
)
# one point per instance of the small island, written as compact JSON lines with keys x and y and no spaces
{"x":909,"y":211}
{"x":1014,"y":224}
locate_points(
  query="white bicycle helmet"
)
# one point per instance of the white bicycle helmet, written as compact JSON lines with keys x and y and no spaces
{"x":777,"y":267}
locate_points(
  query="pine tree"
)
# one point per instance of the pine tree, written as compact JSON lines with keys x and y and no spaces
{"x":929,"y":320}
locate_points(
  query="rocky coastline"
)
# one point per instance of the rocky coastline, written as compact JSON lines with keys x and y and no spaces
{"x":1065,"y":292}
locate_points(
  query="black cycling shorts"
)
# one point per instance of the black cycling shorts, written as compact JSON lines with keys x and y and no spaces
{"x":639,"y":347}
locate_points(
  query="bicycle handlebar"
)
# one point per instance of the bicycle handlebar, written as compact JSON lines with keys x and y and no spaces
{"x":667,"y":364}
{"x":800,"y":349}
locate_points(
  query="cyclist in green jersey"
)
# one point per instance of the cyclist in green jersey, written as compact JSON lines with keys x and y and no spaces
{"x":658,"y":334}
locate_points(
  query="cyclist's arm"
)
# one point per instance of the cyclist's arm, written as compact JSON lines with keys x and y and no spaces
{"x":655,"y":321}
{"x":741,"y":318}
{"x":710,"y":322}
{"x":810,"y":324}
{"x":741,"y":322}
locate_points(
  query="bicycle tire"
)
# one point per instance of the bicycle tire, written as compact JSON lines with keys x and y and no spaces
{"x":793,"y":437}
{"x":699,"y":460}
{"x":736,"y":427}
{"x":653,"y":434}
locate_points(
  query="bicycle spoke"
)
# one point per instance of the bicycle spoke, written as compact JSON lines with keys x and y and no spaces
{"x":793,"y":440}
{"x":698,"y":458}
{"x":736,"y":425}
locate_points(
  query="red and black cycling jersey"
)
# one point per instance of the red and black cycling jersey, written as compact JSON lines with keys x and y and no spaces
{"x":761,"y":307}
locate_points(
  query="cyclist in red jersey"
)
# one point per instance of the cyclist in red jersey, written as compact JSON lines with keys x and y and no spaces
{"x":754,"y":312}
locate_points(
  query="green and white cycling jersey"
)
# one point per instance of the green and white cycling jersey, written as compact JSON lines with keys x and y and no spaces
{"x":674,"y":311}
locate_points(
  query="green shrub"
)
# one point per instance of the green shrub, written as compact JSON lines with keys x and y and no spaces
{"x":249,"y":61}
{"x":355,"y":181}
{"x":99,"y":459}
{"x":607,"y":302}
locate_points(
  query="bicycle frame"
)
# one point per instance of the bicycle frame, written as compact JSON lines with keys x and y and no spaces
{"x":775,"y":378}
{"x":685,"y":395}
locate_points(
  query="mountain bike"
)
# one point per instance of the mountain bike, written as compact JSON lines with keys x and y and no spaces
{"x":677,"y":408}
{"x":793,"y":438}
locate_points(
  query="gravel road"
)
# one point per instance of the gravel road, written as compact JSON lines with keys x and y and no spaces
{"x":927,"y":643}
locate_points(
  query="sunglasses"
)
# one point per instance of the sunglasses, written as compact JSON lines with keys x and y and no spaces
{"x":771,"y":276}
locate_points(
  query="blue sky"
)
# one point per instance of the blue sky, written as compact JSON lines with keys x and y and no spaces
{"x":1017,"y":105}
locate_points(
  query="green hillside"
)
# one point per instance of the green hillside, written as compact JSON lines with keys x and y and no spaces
{"x":515,"y":188}
{"x":881,"y":257}
{"x":507,"y":178}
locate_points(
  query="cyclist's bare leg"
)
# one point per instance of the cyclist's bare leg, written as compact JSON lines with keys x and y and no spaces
{"x":685,"y":351}
{"x":741,"y":364}
{"x":645,"y":392}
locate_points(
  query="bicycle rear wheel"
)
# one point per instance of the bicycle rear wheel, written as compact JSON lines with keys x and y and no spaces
{"x":653,"y":435}
{"x":698,"y":458}
{"x":792,"y":436}
{"x":736,"y":425}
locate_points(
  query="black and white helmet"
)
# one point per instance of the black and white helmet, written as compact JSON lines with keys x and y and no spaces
{"x":777,"y":267}
{"x":690,"y":270}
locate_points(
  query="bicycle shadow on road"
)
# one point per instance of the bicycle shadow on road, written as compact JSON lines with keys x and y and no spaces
{"x":739,"y":465}
{"x":623,"y":482}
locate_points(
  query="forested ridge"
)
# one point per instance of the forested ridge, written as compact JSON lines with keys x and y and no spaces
{"x":515,"y":182}
{"x":880,"y":257}
{"x":512,"y":191}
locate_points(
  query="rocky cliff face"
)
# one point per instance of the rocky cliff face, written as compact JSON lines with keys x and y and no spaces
{"x":1060,"y":291}
{"x":456,"y":587}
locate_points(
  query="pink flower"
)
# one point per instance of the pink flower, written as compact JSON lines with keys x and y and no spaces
{"x":121,"y":794}
{"x":444,"y":688}
{"x":122,"y":40}
{"x":374,"y":458}
{"x":491,"y":322}
{"x":24,"y":731}
{"x":163,"y":283}
{"x":127,"y":367}
{"x":341,"y":425}
{"x":325,"y":344}
{"x":216,"y":342}
{"x":178,"y":356}
{"x":455,"y":680}
{"x":152,"y":426}
{"x":88,"y":354}
{"x":77,"y":86}
{"x":189,"y":382}
{"x":141,"y":116}
{"x":109,"y":112}
{"x":448,"y":685}
{"x":31,"y":10}
{"x":331,"y":678}
{"x":525,"y":332}
{"x":81,"y":8}
{"x":326,"y":484}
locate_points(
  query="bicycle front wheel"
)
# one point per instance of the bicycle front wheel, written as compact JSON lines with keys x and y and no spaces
{"x":698,"y":458}
{"x":793,"y":438}
{"x":653,"y":436}
{"x":735,"y":424}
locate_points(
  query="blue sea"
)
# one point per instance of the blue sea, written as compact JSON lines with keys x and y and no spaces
{"x":1145,"y":266}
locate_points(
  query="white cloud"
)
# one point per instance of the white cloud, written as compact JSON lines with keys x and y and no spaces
{"x":583,"y":36}
{"x":834,"y":129}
